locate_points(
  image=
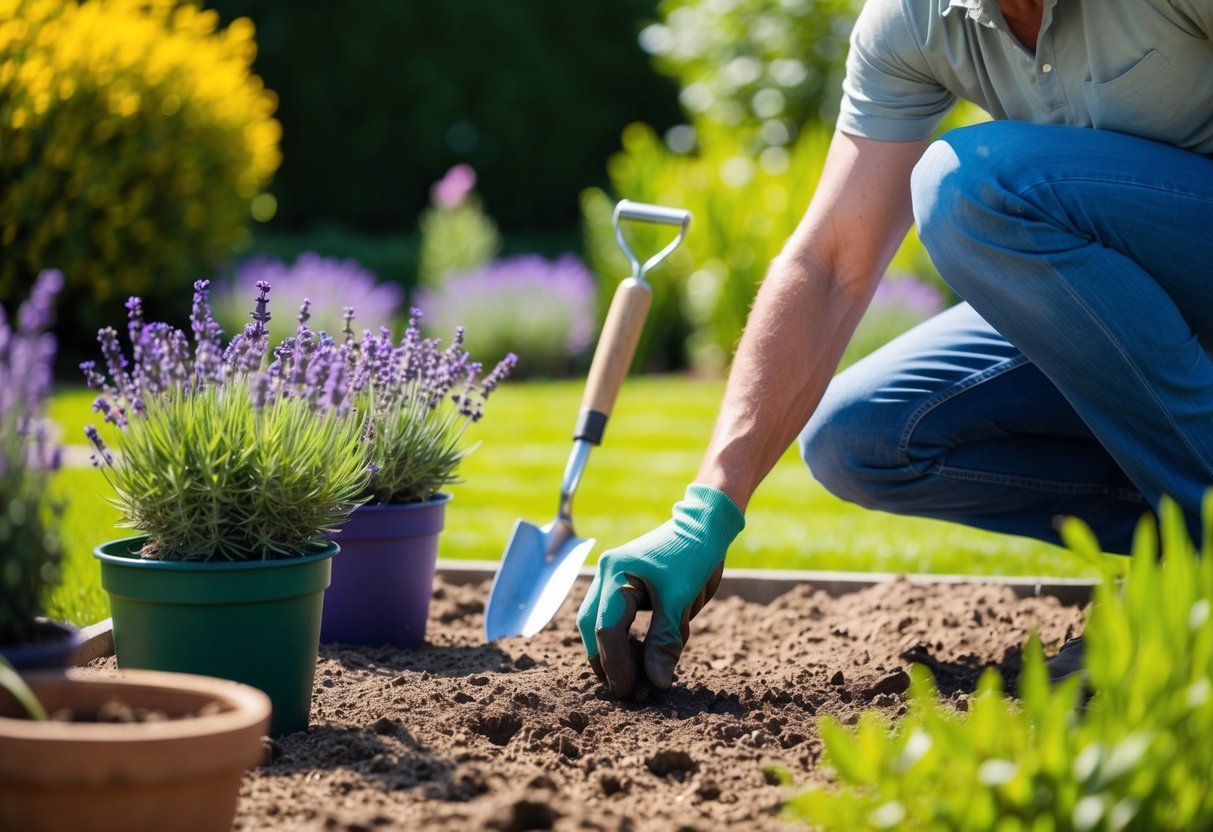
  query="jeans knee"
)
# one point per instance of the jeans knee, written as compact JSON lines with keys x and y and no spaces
{"x":965,"y":192}
{"x":945,"y":189}
{"x":833,"y":449}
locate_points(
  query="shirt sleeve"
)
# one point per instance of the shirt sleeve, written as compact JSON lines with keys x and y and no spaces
{"x":889,"y":92}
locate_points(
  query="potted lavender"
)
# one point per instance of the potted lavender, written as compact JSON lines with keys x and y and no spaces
{"x":418,"y":399}
{"x":233,"y":462}
{"x":30,"y":549}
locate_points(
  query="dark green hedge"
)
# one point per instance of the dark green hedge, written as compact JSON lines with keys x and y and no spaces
{"x":378,"y":99}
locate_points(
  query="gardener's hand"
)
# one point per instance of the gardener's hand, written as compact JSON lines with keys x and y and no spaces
{"x":673,"y":570}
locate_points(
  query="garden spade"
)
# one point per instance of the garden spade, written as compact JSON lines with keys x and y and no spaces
{"x":541,"y":563}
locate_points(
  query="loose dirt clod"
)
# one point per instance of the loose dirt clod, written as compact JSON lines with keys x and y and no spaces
{"x":520,"y":734}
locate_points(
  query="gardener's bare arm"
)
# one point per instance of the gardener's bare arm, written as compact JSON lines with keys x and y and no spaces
{"x":814,"y":294}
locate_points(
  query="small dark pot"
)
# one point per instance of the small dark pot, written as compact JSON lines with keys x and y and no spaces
{"x":54,"y":647}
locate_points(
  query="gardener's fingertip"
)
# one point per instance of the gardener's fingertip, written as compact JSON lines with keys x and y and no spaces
{"x":659,"y":667}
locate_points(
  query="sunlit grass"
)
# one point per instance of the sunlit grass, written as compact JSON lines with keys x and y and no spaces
{"x":88,"y":520}
{"x":652,"y":450}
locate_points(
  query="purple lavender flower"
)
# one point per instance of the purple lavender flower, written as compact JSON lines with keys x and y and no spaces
{"x":327,"y":284}
{"x":910,"y":294}
{"x":261,"y":315}
{"x":494,"y":379}
{"x":453,"y":188}
{"x":26,"y":358}
{"x":162,"y":359}
{"x":260,"y":386}
{"x":32,"y":548}
{"x":101,"y":455}
{"x":538,"y":309}
{"x":384,"y":383}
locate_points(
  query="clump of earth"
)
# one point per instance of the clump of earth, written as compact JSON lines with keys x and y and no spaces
{"x":520,"y":734}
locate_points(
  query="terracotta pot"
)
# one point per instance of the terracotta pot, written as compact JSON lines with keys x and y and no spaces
{"x":382,"y":583}
{"x":181,"y":774}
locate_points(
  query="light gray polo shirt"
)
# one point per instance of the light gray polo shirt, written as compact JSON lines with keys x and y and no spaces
{"x":1134,"y":66}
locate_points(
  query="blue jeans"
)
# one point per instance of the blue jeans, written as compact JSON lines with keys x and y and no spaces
{"x":1076,"y":378}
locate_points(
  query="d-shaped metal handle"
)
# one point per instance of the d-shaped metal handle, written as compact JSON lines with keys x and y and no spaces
{"x":642,"y":212}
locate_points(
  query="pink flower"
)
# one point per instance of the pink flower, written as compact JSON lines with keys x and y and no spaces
{"x":453,"y":188}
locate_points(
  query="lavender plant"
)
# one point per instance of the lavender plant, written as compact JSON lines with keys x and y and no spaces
{"x":540,"y":309}
{"x":328,"y":283}
{"x":221,"y":456}
{"x":416,"y":398}
{"x":30,"y":548}
{"x":239,"y":451}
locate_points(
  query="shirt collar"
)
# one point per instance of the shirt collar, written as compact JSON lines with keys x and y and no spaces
{"x":980,"y":10}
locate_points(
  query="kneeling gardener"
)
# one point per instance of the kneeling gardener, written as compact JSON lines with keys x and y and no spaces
{"x":1077,"y":226}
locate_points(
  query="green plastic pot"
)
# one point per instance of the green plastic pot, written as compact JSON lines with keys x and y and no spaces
{"x":256,"y":622}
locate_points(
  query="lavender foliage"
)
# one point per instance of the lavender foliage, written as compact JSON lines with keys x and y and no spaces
{"x":540,"y":309}
{"x":30,"y":548}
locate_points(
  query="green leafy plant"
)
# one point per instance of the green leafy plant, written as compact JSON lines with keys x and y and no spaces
{"x":1135,"y":756}
{"x":30,"y":547}
{"x":456,"y":233}
{"x":134,"y":145}
{"x":761,"y":67}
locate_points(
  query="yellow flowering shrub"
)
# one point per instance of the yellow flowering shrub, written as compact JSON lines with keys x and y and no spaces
{"x":134,"y":141}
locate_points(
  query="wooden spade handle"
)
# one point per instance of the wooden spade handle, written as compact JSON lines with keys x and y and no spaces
{"x":612,"y":357}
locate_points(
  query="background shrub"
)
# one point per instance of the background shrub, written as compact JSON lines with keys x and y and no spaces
{"x":541,"y":310}
{"x":901,"y":302}
{"x":456,"y":233}
{"x":761,"y":67}
{"x":133,"y":141}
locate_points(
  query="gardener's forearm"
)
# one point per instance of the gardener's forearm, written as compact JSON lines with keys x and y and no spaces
{"x":795,"y":337}
{"x":807,"y":309}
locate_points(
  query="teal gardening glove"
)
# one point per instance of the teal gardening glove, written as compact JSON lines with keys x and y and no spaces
{"x":673,"y":570}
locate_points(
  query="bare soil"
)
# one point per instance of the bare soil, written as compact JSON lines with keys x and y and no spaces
{"x":520,"y":735}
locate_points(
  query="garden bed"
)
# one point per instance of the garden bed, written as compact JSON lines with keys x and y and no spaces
{"x":520,"y":735}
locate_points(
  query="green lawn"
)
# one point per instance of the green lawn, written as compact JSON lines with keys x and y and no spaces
{"x":652,"y":450}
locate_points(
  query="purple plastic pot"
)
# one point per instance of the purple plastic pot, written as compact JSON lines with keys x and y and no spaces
{"x":384,"y":576}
